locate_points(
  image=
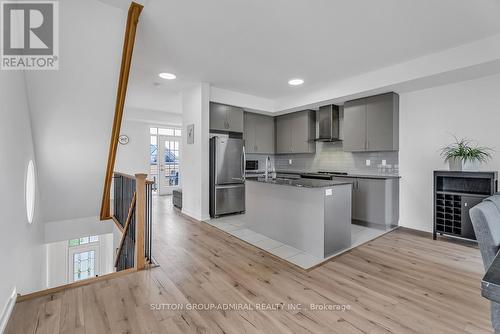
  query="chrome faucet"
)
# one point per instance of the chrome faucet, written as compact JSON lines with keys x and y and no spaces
{"x":267,"y":167}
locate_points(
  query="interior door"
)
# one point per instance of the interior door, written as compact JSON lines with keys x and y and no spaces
{"x":168,"y":161}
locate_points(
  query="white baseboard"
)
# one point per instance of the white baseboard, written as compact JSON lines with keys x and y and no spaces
{"x":7,"y":311}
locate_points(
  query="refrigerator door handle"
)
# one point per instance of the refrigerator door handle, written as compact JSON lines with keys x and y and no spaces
{"x":216,"y":159}
{"x":243,"y":165}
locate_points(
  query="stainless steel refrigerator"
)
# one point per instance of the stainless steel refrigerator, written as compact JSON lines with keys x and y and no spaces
{"x":227,"y":175}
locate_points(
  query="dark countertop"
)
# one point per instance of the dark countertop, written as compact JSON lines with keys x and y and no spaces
{"x":301,"y":183}
{"x":353,"y":175}
{"x":490,"y":285}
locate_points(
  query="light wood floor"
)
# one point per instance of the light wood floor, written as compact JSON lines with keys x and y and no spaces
{"x":400,"y":283}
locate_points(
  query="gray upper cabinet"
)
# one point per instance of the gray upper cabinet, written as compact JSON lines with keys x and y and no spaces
{"x":372,"y":124}
{"x":218,"y":117}
{"x":283,"y":135}
{"x":382,"y":122}
{"x":259,"y":133}
{"x":295,"y":132}
{"x":354,"y":126}
{"x":226,"y":118}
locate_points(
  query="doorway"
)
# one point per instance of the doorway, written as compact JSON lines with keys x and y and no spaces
{"x":83,"y":258}
{"x":165,"y":159}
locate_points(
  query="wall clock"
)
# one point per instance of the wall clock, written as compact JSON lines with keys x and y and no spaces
{"x":123,"y":139}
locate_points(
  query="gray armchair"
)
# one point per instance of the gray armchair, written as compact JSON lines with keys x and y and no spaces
{"x":485,"y":219}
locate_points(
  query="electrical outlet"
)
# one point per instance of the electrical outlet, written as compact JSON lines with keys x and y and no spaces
{"x":368,"y":162}
{"x":290,"y":161}
{"x":384,"y":162}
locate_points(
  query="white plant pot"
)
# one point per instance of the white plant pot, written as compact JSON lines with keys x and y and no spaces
{"x":459,"y":165}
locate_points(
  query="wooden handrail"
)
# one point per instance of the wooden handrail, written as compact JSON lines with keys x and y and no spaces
{"x":140,"y":221}
{"x":128,"y":47}
{"x":125,"y":229}
{"x":128,"y":176}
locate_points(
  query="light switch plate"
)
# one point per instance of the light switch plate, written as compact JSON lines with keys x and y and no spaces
{"x":289,"y":161}
{"x":368,"y":162}
{"x":384,"y":162}
{"x":328,"y":192}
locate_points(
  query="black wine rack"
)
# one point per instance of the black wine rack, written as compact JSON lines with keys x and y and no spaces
{"x":455,"y":193}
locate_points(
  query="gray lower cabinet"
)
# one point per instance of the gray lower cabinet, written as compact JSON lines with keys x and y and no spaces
{"x":374,"y":201}
{"x":259,"y":133}
{"x":295,"y":132}
{"x":226,"y":118}
{"x":372,"y":124}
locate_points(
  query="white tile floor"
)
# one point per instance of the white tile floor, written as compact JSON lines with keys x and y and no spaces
{"x":236,"y":227}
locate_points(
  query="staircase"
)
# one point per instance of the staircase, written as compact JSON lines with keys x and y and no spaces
{"x":133,"y":214}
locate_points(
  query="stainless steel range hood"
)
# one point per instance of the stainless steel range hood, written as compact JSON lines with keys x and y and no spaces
{"x":329,"y":123}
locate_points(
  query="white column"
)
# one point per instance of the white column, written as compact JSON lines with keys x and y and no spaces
{"x":195,"y":157}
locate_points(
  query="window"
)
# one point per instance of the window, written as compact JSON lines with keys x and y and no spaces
{"x":83,"y":265}
{"x":83,"y":241}
{"x":174,"y":132}
{"x":30,"y":191}
{"x":166,"y":132}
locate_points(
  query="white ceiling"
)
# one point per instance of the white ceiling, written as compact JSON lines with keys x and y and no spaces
{"x":147,"y":91}
{"x":255,"y":46}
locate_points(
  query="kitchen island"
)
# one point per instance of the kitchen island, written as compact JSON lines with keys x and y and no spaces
{"x":313,"y":216}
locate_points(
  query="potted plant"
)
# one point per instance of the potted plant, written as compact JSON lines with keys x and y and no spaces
{"x":463,"y":155}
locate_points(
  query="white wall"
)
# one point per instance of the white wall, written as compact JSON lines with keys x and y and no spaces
{"x":133,"y":158}
{"x":75,"y":228}
{"x":427,"y":120}
{"x":464,"y":62}
{"x":72,"y":109}
{"x":57,"y":264}
{"x":58,"y":260}
{"x":153,"y":116}
{"x":20,"y":242}
{"x":247,"y":101}
{"x":194,"y":162}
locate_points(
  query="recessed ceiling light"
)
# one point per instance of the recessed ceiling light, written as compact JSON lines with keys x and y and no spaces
{"x":295,"y":82}
{"x":167,"y":76}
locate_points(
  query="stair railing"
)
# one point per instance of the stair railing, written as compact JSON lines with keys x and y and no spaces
{"x":133,"y":214}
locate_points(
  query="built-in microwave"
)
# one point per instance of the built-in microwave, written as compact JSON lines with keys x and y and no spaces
{"x":252,"y":165}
